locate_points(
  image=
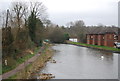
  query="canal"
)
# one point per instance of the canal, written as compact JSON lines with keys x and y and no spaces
{"x":75,"y":62}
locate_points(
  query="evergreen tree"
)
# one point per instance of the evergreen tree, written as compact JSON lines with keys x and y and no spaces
{"x":32,"y":26}
{"x":66,"y":36}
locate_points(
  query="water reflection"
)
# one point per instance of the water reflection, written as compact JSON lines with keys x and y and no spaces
{"x":108,"y":56}
{"x":75,"y":62}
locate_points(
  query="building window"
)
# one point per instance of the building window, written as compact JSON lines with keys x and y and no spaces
{"x":91,"y":37}
{"x":103,"y":38}
{"x":115,"y":37}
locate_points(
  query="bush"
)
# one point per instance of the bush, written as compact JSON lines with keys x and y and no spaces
{"x":57,"y":36}
{"x":66,"y":36}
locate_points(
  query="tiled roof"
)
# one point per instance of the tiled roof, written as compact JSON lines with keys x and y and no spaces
{"x":102,"y":30}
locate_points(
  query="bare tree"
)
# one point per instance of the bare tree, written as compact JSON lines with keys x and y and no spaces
{"x":47,"y":23}
{"x":3,"y":18}
{"x":100,"y":25}
{"x":39,"y":10}
{"x":19,"y":9}
{"x":6,"y":24}
{"x":69,"y":24}
{"x":0,"y":20}
{"x":79,"y":23}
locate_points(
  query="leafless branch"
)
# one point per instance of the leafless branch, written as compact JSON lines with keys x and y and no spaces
{"x":20,"y":10}
{"x":38,"y":9}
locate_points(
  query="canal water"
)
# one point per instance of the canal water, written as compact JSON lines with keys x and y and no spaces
{"x":75,"y":62}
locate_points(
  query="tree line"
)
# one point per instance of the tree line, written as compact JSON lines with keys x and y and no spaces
{"x":25,"y":26}
{"x":22,"y":27}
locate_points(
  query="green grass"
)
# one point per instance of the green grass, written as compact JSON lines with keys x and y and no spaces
{"x":96,"y":46}
{"x":18,"y":61}
{"x":14,"y":76}
{"x":40,"y":61}
{"x":23,"y":59}
{"x":0,"y":68}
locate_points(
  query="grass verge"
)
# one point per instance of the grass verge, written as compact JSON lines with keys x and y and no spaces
{"x":0,"y":68}
{"x":95,"y":46}
{"x":13,"y":63}
{"x":34,"y":67}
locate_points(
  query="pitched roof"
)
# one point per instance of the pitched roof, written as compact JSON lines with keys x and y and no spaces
{"x":102,"y":30}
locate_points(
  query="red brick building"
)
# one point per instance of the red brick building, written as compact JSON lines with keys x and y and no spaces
{"x":118,"y":34}
{"x":105,"y":36}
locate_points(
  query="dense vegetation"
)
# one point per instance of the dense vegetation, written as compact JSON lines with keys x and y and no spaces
{"x":20,"y":34}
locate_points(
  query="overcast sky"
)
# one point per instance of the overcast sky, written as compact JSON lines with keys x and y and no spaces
{"x":92,"y":12}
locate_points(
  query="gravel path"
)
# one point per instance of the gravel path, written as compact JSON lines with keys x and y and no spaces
{"x":19,"y":68}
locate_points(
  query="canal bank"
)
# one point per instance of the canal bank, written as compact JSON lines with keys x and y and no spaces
{"x":104,"y":48}
{"x":34,"y":66}
{"x":76,"y":62}
{"x":73,"y":62}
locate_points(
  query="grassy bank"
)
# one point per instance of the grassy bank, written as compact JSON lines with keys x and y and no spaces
{"x":35,"y":66}
{"x":95,"y":46}
{"x":13,"y":63}
{"x":0,"y":68}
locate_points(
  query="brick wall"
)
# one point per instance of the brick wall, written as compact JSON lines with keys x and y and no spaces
{"x":100,"y":39}
{"x":89,"y":39}
{"x":109,"y":40}
{"x":118,"y":38}
{"x":95,"y":40}
{"x":118,"y":34}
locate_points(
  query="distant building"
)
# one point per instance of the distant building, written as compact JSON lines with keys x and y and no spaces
{"x":118,"y":34}
{"x":73,"y":39}
{"x":105,"y":36}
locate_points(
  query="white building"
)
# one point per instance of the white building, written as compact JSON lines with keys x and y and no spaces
{"x":73,"y":39}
